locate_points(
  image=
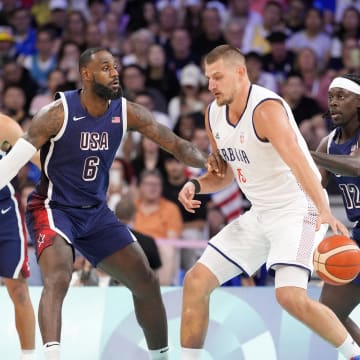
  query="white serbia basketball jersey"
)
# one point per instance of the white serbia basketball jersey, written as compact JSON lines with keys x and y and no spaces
{"x":262,"y":175}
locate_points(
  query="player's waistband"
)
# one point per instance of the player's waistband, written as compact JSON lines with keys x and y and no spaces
{"x":54,"y":204}
{"x":36,"y":199}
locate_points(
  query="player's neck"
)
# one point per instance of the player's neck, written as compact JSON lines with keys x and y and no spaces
{"x":94,"y":105}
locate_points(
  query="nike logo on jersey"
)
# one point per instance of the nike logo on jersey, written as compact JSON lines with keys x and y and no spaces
{"x":217,"y":136}
{"x":77,"y":118}
{"x":4,"y":211}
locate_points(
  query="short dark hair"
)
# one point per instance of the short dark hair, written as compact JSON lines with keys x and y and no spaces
{"x":85,"y":57}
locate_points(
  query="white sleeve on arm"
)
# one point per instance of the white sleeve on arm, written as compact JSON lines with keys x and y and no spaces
{"x":17,"y":157}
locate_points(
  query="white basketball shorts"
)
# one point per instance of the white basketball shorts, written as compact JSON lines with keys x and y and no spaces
{"x":278,"y":237}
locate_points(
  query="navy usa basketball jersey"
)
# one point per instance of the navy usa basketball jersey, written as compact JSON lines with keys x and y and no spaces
{"x":76,"y":162}
{"x":5,"y":192}
{"x":349,"y":185}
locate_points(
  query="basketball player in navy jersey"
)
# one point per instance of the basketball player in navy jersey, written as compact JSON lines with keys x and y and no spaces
{"x":79,"y":135}
{"x":14,"y":266}
{"x":256,"y":134}
{"x":338,"y":154}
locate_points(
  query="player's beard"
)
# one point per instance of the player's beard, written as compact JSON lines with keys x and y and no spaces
{"x":104,"y":92}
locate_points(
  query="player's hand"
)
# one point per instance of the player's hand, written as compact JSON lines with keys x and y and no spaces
{"x":326,"y":217}
{"x":186,"y":197}
{"x":216,"y":164}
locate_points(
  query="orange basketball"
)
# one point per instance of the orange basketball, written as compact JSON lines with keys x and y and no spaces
{"x":337,"y":260}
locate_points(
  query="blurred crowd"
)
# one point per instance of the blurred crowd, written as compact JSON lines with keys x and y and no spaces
{"x":293,"y":47}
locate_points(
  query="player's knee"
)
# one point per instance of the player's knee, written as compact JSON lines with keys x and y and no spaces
{"x":293,"y":300}
{"x":18,"y":292}
{"x":146,"y":287}
{"x":197,"y":283}
{"x":57,"y":281}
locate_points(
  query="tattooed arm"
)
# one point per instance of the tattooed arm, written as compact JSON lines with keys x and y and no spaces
{"x":140,"y":119}
{"x":46,"y":124}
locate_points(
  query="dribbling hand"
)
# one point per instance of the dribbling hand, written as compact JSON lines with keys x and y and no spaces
{"x":216,"y":164}
{"x":326,"y":217}
{"x":186,"y":197}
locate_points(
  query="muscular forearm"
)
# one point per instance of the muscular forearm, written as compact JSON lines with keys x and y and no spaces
{"x":189,"y":154}
{"x":210,"y":183}
{"x":338,"y":164}
{"x":18,"y":156}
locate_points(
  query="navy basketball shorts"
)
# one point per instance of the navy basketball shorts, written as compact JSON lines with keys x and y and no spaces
{"x":13,"y":245}
{"x":95,"y":232}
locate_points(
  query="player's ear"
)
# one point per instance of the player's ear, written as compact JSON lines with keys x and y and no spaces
{"x":241,"y":70}
{"x":85,"y":73}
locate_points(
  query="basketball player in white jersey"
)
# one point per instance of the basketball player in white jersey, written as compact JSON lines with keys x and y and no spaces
{"x":255,"y":133}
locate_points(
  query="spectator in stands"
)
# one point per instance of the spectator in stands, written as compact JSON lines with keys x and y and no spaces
{"x":159,"y":218}
{"x":44,"y":60}
{"x":75,"y":28}
{"x":234,"y":30}
{"x":186,"y":124}
{"x":134,"y":80}
{"x":24,"y":32}
{"x":7,"y":45}
{"x":313,"y":36}
{"x":349,"y":27}
{"x":316,"y":81}
{"x":112,"y":38}
{"x":181,"y":51}
{"x":56,"y":79}
{"x":68,"y":58}
{"x":188,"y":101}
{"x":294,"y":15}
{"x":342,"y":5}
{"x":191,"y":16}
{"x":121,"y":182}
{"x":194,"y":224}
{"x":93,"y":35}
{"x":125,"y":211}
{"x":271,"y":21}
{"x":350,"y":57}
{"x":14,"y":73}
{"x":7,"y":6}
{"x":144,"y":98}
{"x":257,"y":75}
{"x":279,"y":61}
{"x":306,"y":110}
{"x":240,"y":9}
{"x":97,"y":12}
{"x":158,"y":73}
{"x":14,"y":105}
{"x":148,"y":157}
{"x":168,"y":22}
{"x":211,"y":34}
{"x":58,"y":15}
{"x":142,"y":15}
{"x":140,"y":41}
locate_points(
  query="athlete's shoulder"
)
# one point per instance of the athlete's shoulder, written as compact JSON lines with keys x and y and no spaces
{"x":260,"y":91}
{"x":10,"y":130}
